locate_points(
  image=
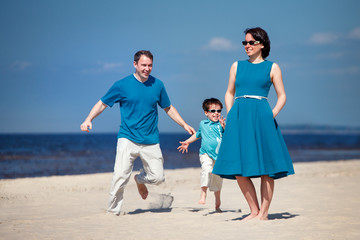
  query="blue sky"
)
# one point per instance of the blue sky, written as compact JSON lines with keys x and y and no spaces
{"x":58,"y":58}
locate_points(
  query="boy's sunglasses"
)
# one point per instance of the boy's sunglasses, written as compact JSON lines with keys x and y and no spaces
{"x":250,"y":42}
{"x":214,"y":111}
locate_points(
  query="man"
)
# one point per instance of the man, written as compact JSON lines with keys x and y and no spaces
{"x":138,"y":96}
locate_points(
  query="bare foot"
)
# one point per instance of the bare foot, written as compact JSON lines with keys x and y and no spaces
{"x":201,"y":202}
{"x":251,"y":216}
{"x":263,"y":217}
{"x":142,"y":189}
{"x":202,"y":196}
{"x":217,"y":204}
{"x":218,"y":210}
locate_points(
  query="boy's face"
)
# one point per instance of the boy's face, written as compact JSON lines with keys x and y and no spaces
{"x":213,"y":116}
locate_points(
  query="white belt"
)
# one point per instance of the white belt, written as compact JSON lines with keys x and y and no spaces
{"x":252,"y":96}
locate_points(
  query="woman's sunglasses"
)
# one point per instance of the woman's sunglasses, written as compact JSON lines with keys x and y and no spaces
{"x":214,"y":111}
{"x":250,"y":42}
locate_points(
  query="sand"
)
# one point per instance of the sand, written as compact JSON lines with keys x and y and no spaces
{"x":319,"y":202}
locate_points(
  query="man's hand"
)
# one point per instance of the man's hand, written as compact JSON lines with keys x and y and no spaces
{"x":174,"y":115}
{"x":86,"y":126}
{"x":189,"y":129}
{"x":98,"y":108}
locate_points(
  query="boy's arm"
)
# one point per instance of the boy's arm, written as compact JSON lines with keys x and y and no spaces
{"x":185,"y":144}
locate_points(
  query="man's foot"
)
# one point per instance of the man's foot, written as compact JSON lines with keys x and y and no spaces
{"x":116,"y":214}
{"x":142,"y":189}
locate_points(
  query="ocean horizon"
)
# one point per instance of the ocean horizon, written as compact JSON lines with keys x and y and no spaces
{"x":48,"y":154}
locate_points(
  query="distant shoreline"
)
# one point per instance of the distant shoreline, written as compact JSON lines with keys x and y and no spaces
{"x":285,"y":129}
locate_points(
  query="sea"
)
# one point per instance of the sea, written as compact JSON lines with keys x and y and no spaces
{"x":38,"y":155}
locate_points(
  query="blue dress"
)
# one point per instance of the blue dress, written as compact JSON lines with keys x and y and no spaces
{"x":252,"y":143}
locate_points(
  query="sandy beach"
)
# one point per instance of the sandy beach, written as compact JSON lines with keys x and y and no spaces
{"x":319,"y":202}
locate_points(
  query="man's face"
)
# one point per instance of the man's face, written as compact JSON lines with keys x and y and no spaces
{"x":143,"y":67}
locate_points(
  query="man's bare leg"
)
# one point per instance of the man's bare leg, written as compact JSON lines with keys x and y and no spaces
{"x":142,"y":189}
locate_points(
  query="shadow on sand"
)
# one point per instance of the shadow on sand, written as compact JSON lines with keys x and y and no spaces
{"x":274,"y":216}
{"x":153,"y":210}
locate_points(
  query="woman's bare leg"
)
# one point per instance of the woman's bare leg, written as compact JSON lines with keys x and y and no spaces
{"x":248,"y":189}
{"x":267,"y":190}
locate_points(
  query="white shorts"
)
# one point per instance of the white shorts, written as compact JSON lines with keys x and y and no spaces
{"x":207,"y":179}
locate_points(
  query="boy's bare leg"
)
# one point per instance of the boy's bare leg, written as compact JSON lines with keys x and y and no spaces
{"x":217,"y":201}
{"x":203,"y":195}
{"x":142,"y":189}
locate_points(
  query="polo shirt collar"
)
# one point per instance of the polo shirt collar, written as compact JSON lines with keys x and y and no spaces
{"x":208,"y":121}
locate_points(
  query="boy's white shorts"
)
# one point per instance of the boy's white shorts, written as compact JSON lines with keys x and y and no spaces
{"x":207,"y":179}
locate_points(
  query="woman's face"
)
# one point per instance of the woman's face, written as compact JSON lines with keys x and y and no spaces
{"x":252,"y":50}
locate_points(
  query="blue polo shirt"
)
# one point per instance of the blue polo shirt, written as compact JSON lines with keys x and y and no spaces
{"x":211,"y":134}
{"x":138,"y":107}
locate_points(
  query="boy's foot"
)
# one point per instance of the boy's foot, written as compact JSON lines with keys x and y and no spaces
{"x":202,"y":196}
{"x":202,"y":199}
{"x":217,"y":203}
{"x":142,"y":189}
{"x":201,"y":202}
{"x":218,"y":210}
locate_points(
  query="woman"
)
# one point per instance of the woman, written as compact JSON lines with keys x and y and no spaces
{"x":252,"y":144}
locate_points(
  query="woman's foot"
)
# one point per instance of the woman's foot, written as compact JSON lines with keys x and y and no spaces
{"x":262,"y":217}
{"x":251,"y":216}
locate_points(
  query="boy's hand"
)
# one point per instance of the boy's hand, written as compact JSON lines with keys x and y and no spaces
{"x":184,"y":147}
{"x":222,"y":121}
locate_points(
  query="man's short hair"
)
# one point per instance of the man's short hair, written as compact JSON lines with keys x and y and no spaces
{"x":138,"y":55}
{"x":209,"y":101}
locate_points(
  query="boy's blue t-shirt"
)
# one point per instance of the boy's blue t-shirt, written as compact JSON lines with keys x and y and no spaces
{"x":138,"y":107}
{"x":211,"y":134}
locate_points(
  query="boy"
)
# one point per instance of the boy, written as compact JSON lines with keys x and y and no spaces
{"x":210,"y":132}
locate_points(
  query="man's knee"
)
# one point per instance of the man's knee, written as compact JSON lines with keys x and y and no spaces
{"x":156,"y":180}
